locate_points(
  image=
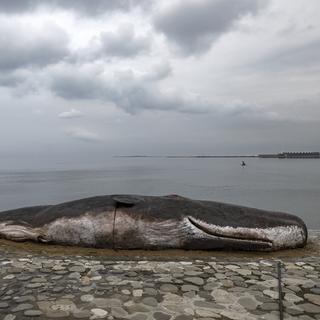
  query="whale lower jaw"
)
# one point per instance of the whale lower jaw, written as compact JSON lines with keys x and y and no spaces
{"x":262,"y":239}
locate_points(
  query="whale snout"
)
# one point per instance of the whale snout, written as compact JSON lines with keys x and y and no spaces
{"x":253,"y":229}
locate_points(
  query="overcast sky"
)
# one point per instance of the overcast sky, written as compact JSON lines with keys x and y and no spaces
{"x":96,"y":78}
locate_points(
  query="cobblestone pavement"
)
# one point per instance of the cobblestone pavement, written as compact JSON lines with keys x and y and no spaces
{"x":37,"y":285}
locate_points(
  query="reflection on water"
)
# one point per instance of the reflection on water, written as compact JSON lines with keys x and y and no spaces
{"x":284,"y":185}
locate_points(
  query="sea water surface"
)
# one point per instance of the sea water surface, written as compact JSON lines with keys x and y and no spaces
{"x":283,"y":185}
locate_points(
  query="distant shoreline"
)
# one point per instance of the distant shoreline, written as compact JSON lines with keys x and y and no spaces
{"x":282,"y":155}
{"x":186,"y":157}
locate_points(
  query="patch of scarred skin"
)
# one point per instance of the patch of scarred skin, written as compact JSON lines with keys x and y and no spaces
{"x":86,"y":230}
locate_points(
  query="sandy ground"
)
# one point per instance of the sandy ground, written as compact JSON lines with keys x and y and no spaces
{"x":312,"y":249}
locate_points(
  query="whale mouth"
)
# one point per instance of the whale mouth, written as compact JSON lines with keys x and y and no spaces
{"x":262,"y":239}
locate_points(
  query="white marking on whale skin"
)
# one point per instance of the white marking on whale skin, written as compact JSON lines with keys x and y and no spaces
{"x":148,"y":234}
{"x":83,"y":230}
{"x":15,"y":232}
{"x":163,"y":234}
{"x":281,"y":237}
{"x":167,"y":233}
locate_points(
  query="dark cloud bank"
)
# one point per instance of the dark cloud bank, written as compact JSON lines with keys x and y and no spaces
{"x":86,"y":7}
{"x":23,"y":47}
{"x":194,"y":25}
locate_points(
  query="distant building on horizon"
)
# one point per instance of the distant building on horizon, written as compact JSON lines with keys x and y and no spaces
{"x":292,"y":155}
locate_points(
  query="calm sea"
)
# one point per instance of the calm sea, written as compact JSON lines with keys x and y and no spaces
{"x":285,"y":185}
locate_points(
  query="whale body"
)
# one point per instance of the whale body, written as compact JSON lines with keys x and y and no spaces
{"x":154,"y":222}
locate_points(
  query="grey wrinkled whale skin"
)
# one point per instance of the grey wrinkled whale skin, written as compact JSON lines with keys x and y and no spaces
{"x":150,"y":222}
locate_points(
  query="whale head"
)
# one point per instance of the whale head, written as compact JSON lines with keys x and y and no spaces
{"x":246,"y":228}
{"x":174,"y":221}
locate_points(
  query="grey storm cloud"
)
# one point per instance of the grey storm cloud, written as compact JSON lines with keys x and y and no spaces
{"x":122,"y":43}
{"x":76,"y":85}
{"x":127,"y":91}
{"x":23,"y":47}
{"x":10,"y":79}
{"x":194,"y":25}
{"x":13,"y":6}
{"x":92,"y":7}
{"x":136,"y":98}
{"x":160,"y":71}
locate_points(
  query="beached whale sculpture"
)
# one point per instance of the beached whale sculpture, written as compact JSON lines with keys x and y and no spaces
{"x":149,"y":222}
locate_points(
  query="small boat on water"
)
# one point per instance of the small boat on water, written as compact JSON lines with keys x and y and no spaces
{"x":243,"y":164}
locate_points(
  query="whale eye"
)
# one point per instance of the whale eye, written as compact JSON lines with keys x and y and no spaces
{"x":125,"y":201}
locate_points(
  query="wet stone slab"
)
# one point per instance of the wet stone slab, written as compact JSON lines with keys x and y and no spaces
{"x":39,"y":285}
